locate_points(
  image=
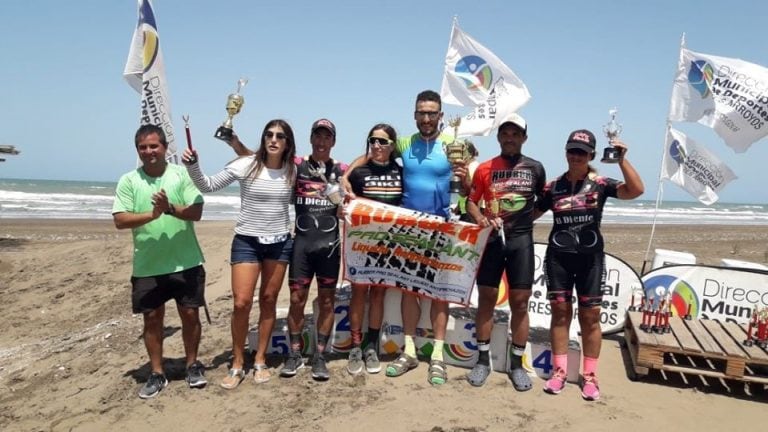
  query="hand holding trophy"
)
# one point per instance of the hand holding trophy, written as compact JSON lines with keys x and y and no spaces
{"x":612,"y":130}
{"x":235,"y":103}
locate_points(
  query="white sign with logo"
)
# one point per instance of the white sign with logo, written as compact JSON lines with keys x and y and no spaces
{"x":725,"y":294}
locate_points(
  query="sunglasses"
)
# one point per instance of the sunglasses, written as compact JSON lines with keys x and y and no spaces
{"x":278,"y":135}
{"x":430,"y":114}
{"x":578,"y":152}
{"x":383,"y":142}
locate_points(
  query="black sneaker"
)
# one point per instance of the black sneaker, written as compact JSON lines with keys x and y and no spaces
{"x":152,"y":387}
{"x":292,"y":364}
{"x":196,"y":375}
{"x":319,"y":369}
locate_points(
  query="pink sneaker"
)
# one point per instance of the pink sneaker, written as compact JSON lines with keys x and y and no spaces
{"x":556,"y":383}
{"x":589,"y":389}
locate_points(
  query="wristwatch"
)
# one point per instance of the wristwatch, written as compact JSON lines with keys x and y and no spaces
{"x":171,"y":210}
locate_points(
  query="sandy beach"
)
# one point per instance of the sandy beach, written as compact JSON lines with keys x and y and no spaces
{"x":72,"y":358}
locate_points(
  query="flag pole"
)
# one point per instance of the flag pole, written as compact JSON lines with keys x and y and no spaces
{"x":660,"y":188}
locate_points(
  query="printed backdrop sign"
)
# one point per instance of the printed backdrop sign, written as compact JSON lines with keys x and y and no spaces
{"x":724,"y":294}
{"x":621,"y":280}
{"x":395,"y":247}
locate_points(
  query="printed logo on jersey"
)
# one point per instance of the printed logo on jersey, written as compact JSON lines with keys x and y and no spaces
{"x":512,"y":203}
{"x":683,"y":294}
{"x":478,"y":68}
{"x":700,"y":77}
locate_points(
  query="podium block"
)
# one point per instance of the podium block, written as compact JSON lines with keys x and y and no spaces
{"x":340,"y":339}
{"x":538,"y":355}
{"x":279,"y":339}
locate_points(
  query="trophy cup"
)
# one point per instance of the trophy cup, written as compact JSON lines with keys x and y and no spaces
{"x":611,"y":130}
{"x":455,"y":151}
{"x":235,"y":103}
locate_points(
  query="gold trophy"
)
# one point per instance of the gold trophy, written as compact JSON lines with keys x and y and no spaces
{"x":235,"y":103}
{"x":612,"y":130}
{"x":456,"y":152}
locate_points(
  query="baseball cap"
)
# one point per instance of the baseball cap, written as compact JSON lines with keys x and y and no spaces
{"x":516,"y":120}
{"x":324,"y":123}
{"x":581,"y":139}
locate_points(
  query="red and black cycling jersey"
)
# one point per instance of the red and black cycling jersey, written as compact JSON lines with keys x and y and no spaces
{"x":515,"y":183}
{"x":577,"y":209}
{"x":315,"y":214}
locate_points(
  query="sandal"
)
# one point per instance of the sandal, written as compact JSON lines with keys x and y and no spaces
{"x":520,"y":379}
{"x":261,"y":373}
{"x":479,"y":374}
{"x":401,"y":365}
{"x":437,"y":374}
{"x":233,"y":379}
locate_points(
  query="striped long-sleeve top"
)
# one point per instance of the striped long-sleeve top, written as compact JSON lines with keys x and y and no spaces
{"x":264,"y":200}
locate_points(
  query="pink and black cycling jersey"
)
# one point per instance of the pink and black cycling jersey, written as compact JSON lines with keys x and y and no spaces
{"x":577,"y":210}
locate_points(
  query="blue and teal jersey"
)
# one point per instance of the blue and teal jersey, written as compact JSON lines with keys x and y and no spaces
{"x":426,"y":174}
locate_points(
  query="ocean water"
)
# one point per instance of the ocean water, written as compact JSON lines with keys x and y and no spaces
{"x":58,"y":199}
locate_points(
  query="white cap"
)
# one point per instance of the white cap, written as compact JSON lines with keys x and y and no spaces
{"x":516,"y":120}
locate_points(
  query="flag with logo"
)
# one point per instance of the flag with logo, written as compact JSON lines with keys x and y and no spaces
{"x":692,"y":167}
{"x":145,"y":72}
{"x":473,"y":74}
{"x":485,"y":117}
{"x":726,"y":94}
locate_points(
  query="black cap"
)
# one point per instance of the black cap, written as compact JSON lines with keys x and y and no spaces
{"x":581,"y":139}
{"x":324,"y":123}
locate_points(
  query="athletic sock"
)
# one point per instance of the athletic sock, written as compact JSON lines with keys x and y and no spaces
{"x":322,"y":341}
{"x":437,"y":352}
{"x":295,"y":342}
{"x":483,"y":350}
{"x":410,"y":346}
{"x":374,"y":335}
{"x":560,"y":361}
{"x":357,"y":338}
{"x":516,"y":359}
{"x":589,"y":365}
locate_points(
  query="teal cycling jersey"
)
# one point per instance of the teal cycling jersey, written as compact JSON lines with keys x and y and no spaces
{"x":426,"y":174}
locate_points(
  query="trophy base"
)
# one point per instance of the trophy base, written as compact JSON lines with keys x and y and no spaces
{"x":455,"y":186}
{"x":224,"y":134}
{"x":611,"y":155}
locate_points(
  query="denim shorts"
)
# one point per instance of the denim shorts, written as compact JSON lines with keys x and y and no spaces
{"x":247,"y":249}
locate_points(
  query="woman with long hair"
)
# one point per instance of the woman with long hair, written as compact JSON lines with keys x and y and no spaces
{"x":575,"y":256}
{"x":262,"y":243}
{"x":380,"y":179}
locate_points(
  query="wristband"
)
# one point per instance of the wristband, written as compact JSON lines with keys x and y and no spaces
{"x":171,"y":210}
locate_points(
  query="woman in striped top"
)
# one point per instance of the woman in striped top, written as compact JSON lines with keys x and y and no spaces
{"x":262,"y":242}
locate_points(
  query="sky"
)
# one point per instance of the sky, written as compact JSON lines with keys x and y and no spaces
{"x":66,"y":106}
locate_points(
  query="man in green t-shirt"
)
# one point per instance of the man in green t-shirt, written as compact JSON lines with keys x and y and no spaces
{"x":159,"y":202}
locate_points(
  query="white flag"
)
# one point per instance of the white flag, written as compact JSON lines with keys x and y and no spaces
{"x":472,"y":73}
{"x":729,"y":95}
{"x":486,"y":116}
{"x":692,"y":167}
{"x":145,"y":72}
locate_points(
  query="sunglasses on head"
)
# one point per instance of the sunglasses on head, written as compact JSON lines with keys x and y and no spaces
{"x":278,"y":135}
{"x":384,"y":142}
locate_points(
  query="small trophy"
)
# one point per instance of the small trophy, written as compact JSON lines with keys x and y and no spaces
{"x":332,"y":191}
{"x":455,"y":151}
{"x":611,"y":130}
{"x":235,"y":103}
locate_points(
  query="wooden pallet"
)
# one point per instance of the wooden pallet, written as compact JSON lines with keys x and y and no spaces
{"x":707,"y":348}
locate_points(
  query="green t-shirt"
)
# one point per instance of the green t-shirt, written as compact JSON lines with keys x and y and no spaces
{"x":167,"y":244}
